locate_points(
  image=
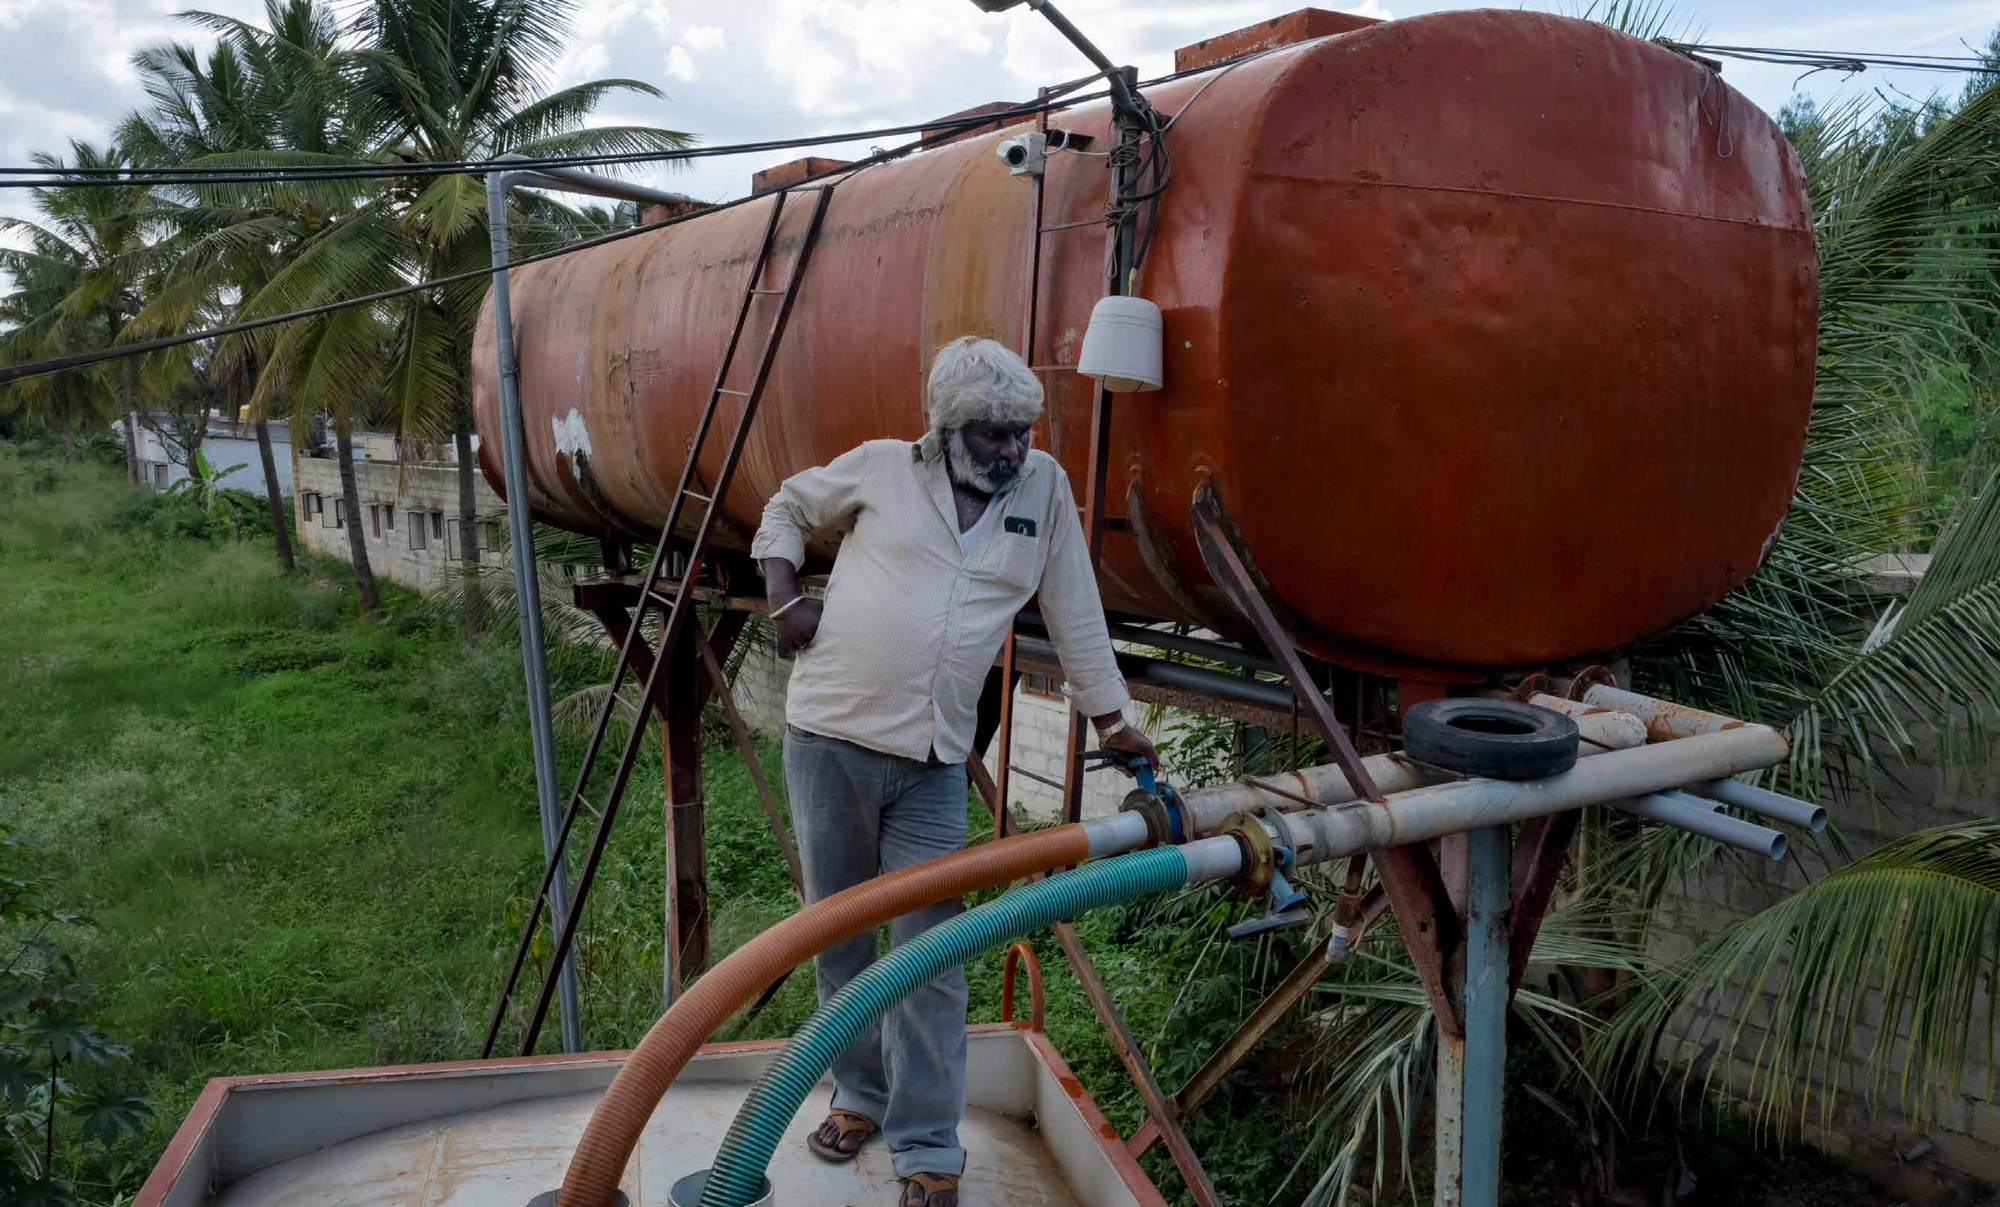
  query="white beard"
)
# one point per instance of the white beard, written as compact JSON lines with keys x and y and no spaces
{"x":967,"y":471}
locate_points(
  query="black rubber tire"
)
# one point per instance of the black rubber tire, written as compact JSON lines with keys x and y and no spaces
{"x":1498,"y":739}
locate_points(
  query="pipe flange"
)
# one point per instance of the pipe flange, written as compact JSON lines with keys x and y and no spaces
{"x":1260,"y":854}
{"x":1279,"y":829}
{"x":1532,"y":685}
{"x":1589,"y":677}
{"x":1159,"y":823}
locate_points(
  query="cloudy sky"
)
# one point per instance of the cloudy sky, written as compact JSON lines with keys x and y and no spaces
{"x":734,"y":70}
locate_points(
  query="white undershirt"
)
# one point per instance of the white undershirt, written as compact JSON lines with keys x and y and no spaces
{"x":974,"y":538}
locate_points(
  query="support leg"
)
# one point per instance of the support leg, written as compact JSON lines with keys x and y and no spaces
{"x":687,"y":838}
{"x":1471,"y":1067}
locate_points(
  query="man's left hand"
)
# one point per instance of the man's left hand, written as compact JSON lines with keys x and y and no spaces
{"x":1130,"y":741}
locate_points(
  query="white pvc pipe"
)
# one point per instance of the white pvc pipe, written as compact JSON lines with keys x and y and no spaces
{"x":1664,"y":720}
{"x":1691,"y":813}
{"x":1206,"y":809}
{"x":1788,"y":809}
{"x":1426,"y":813}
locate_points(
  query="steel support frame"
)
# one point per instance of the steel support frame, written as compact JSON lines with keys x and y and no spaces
{"x":1459,"y":921}
{"x":677,"y":617}
{"x":527,"y":584}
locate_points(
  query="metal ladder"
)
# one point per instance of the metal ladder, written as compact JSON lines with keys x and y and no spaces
{"x":675,"y":609}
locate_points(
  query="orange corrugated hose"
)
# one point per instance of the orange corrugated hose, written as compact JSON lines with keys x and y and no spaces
{"x":613,"y":1130}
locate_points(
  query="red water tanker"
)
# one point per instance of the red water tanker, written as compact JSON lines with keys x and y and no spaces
{"x":1493,"y":330}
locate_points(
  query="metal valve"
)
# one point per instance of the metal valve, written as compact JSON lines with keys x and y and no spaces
{"x":1267,"y":856}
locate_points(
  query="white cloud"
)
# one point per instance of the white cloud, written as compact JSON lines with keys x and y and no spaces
{"x":592,"y":19}
{"x":702,"y":39}
{"x":841,"y":56}
{"x":681,"y":65}
{"x":582,"y":61}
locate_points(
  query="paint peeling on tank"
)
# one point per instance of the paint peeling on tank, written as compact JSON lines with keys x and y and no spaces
{"x":572,"y":434}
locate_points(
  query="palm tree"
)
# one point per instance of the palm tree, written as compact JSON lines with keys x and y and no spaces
{"x":99,"y":242}
{"x":204,"y":108}
{"x":44,"y":275}
{"x":288,"y":94}
{"x":448,"y":81}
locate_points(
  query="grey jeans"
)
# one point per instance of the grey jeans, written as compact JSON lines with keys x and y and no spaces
{"x":859,"y":813}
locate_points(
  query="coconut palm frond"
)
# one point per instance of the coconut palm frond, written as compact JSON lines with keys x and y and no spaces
{"x":1878,"y":978}
{"x":1933,"y":664}
{"x":575,"y":715}
{"x":482,"y":595}
{"x":1376,"y":1049}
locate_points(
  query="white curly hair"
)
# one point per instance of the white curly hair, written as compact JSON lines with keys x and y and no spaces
{"x":975,"y":380}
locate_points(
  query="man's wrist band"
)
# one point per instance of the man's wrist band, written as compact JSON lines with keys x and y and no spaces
{"x":1113,"y":731}
{"x":786,"y":606}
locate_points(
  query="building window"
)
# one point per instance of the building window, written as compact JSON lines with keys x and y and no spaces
{"x":375,"y":520}
{"x":160,"y":474}
{"x":308,"y":506}
{"x":1049,"y":687}
{"x":489,"y":534}
{"x":437,"y":525}
{"x":389,"y":516}
{"x":340,"y":513}
{"x":463,"y":544}
{"x":418,"y":533}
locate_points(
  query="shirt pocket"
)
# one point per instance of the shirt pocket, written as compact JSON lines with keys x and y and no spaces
{"x":1016,"y":560}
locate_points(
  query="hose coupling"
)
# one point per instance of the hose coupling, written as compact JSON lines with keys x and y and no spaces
{"x":1159,"y":826}
{"x":1260,"y":853}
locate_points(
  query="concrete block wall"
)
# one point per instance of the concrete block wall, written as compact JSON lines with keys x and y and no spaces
{"x":422,"y":549}
{"x":1964,"y":1139}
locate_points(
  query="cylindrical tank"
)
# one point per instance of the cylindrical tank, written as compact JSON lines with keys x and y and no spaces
{"x":1493,"y":331}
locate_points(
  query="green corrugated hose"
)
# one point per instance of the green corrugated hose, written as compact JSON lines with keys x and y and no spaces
{"x":738,"y":1175}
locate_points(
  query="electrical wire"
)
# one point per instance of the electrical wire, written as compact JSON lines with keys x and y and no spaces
{"x":208,"y":177}
{"x":1159,"y":162}
{"x":191,"y":177}
{"x":84,"y":360}
{"x":1838,"y":60}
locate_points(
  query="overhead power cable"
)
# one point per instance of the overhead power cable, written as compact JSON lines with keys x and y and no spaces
{"x":84,"y":360}
{"x":1839,"y":60}
{"x":210,"y":177}
{"x":191,"y":177}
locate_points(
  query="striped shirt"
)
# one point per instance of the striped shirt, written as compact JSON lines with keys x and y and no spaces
{"x":914,"y":617}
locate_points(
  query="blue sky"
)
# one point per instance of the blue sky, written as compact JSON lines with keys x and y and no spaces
{"x":743,"y":69}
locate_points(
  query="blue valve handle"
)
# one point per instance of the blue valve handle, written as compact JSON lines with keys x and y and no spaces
{"x":1142,"y":770}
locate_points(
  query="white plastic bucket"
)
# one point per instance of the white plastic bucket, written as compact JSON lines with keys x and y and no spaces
{"x":1122,"y":346}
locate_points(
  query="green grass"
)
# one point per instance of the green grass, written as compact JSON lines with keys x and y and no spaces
{"x":307,"y":841}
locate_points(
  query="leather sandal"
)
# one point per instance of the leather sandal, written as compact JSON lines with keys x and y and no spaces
{"x":841,"y":1136}
{"x":929,"y":1190}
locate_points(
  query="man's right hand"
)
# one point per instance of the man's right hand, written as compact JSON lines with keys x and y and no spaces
{"x":799,"y":625}
{"x":800,"y":621}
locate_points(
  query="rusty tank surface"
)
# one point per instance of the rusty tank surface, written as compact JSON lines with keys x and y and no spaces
{"x":1493,"y":331}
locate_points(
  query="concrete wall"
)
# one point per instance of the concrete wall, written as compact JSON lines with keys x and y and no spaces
{"x":409,"y":517}
{"x":1965,"y":1138}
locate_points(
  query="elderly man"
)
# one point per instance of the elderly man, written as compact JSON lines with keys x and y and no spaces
{"x":943,"y":541}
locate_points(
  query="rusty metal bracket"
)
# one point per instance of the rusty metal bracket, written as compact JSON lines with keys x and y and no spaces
{"x":1410,"y":877}
{"x":1539,"y":856}
{"x":1229,"y":565}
